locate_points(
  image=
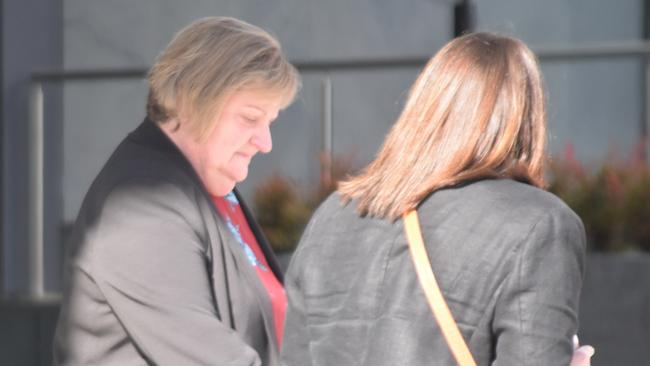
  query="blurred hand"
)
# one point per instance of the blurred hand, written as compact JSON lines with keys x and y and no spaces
{"x":581,"y":354}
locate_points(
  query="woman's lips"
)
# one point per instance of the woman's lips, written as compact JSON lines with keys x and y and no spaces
{"x":245,"y":155}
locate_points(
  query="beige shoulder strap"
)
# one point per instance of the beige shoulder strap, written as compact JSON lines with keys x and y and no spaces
{"x":436,"y":301}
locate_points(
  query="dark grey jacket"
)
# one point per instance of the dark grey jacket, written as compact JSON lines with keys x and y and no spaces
{"x":508,"y":257}
{"x":153,"y":275}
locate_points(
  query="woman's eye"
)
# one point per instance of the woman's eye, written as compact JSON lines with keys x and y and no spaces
{"x":250,"y":119}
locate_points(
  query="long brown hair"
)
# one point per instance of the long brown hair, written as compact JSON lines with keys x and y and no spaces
{"x":476,"y":110}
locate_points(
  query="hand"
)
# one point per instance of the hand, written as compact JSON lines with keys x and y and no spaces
{"x":581,"y":354}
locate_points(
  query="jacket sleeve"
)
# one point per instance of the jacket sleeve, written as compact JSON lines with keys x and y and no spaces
{"x":536,"y":314}
{"x":150,"y":262}
{"x":295,"y":341}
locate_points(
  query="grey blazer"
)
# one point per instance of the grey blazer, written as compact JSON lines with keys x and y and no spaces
{"x":508,"y":257}
{"x":153,"y":276}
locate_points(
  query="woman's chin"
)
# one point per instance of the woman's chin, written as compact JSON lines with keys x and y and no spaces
{"x":220,"y":187}
{"x":226,"y":183}
{"x":221,"y":190}
{"x":239,"y":175}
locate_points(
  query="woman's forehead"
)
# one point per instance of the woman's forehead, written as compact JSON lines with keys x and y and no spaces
{"x":263,"y":100}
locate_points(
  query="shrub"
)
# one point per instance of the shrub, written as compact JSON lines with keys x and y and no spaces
{"x":612,"y":200}
{"x":283,"y":210}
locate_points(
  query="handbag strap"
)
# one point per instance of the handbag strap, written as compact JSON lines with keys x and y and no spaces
{"x":434,"y":296}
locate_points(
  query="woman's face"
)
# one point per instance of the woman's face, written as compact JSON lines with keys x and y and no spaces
{"x":240,"y":131}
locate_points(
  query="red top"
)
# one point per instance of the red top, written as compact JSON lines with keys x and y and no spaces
{"x":229,"y":208}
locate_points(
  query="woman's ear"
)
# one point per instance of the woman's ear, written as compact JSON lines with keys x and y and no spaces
{"x":176,"y":123}
{"x":172,"y":125}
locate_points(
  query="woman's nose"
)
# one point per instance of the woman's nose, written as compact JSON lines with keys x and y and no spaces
{"x":262,"y":139}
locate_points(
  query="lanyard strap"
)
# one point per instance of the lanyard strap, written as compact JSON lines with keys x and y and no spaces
{"x":436,"y":301}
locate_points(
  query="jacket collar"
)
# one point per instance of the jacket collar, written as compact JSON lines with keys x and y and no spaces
{"x":148,"y":133}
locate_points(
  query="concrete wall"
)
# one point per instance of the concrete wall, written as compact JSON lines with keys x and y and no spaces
{"x":595,"y":104}
{"x":26,"y":333}
{"x":31,"y":40}
{"x":615,"y":309}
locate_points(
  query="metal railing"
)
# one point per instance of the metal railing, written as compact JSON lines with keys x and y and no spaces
{"x":36,"y":289}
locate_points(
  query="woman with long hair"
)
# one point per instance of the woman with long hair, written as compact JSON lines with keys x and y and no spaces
{"x":467,"y":154}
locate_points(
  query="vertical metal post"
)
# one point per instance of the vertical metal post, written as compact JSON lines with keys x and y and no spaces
{"x":463,"y":17}
{"x":326,"y":158}
{"x":645,"y":133}
{"x":645,"y":88}
{"x":35,"y":219}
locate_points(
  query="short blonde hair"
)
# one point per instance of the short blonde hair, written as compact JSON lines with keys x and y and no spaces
{"x":209,"y":60}
{"x":477,"y":110}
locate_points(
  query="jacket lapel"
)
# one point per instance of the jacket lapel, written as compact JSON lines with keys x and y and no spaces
{"x":261,"y":239}
{"x":232,"y":249}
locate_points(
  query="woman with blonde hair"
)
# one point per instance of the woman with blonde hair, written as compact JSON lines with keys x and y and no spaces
{"x":166,"y":265}
{"x":467,"y":154}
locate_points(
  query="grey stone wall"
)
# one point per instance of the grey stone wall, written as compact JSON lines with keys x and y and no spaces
{"x":594,"y":104}
{"x":615,"y":309}
{"x":31,"y":40}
